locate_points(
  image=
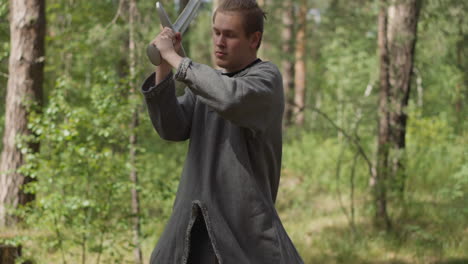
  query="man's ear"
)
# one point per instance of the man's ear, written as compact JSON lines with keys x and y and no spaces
{"x":255,"y":39}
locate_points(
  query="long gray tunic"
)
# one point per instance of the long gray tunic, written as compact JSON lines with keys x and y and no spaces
{"x":232,"y":171}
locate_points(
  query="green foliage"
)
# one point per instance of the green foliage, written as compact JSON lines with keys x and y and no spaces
{"x":438,"y":157}
{"x":200,"y":37}
{"x":430,"y":226}
{"x":81,"y":172}
{"x":442,"y":60}
{"x":82,"y":207}
{"x":82,"y":210}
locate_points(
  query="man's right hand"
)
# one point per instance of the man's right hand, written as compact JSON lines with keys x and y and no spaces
{"x":167,"y":41}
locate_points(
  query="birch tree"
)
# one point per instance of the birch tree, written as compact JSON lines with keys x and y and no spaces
{"x":397,"y":38}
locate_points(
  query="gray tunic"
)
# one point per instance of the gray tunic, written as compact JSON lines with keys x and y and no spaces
{"x":231,"y":174}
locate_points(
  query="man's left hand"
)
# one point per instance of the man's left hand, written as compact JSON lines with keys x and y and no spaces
{"x":169,"y":44}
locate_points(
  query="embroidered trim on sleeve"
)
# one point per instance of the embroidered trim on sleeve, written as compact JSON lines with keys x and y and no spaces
{"x":182,"y":70}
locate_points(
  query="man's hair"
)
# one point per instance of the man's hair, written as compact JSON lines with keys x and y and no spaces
{"x":253,"y":15}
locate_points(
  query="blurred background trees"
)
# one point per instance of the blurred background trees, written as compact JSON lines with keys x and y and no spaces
{"x":376,"y":104}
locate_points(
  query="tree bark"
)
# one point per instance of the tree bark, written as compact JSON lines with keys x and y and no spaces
{"x":265,"y":45}
{"x":380,"y":177}
{"x":402,"y":32}
{"x":133,"y":140}
{"x":9,"y":254}
{"x":287,"y":64}
{"x":213,"y":57}
{"x":300,"y":65}
{"x":26,"y":70}
{"x":397,"y":39}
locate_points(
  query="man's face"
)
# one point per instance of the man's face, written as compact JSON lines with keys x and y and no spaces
{"x":233,"y":50}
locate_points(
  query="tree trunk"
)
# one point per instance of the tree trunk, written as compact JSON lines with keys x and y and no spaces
{"x":138,"y":256}
{"x":26,"y":70}
{"x":213,"y":57}
{"x":265,"y":45}
{"x":287,"y":65}
{"x":300,"y":65}
{"x":401,"y":36}
{"x":8,"y":254}
{"x":397,"y":39}
{"x":379,"y":180}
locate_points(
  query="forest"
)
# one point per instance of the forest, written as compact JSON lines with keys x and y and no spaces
{"x":375,"y":138}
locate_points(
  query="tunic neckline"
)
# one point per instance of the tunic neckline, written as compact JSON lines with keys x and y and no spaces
{"x":231,"y":74}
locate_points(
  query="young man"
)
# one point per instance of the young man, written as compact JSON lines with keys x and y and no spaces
{"x":224,"y":208}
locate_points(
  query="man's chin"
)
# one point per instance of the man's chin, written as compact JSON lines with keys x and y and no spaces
{"x":221,"y":63}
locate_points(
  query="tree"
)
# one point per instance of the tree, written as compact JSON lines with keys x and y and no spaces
{"x":26,"y":70}
{"x":381,"y":175}
{"x":300,"y":65}
{"x":133,"y":136}
{"x":213,"y":57}
{"x":287,"y":64}
{"x":397,"y":39}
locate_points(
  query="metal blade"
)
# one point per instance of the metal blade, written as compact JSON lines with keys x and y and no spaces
{"x":187,"y":15}
{"x":183,"y":21}
{"x":165,"y":21}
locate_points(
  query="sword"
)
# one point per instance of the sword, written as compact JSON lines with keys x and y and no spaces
{"x":181,"y":24}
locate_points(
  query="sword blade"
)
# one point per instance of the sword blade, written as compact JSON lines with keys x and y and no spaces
{"x":166,"y":22}
{"x":163,"y":17}
{"x":182,"y":22}
{"x":187,"y":15}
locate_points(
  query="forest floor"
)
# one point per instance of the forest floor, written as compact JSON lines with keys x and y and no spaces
{"x":429,"y":231}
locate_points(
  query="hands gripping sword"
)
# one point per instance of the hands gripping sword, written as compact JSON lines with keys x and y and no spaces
{"x":181,"y":24}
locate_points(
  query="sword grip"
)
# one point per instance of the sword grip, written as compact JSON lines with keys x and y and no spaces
{"x":153,"y":54}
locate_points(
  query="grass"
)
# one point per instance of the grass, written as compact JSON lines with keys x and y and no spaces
{"x":428,"y":231}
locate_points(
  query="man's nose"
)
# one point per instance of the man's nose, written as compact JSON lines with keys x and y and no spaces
{"x":220,"y":41}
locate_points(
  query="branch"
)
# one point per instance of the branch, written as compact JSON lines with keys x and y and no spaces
{"x":117,"y":15}
{"x":4,"y":75}
{"x":354,"y":140}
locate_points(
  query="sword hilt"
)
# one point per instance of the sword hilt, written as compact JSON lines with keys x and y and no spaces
{"x":181,"y":25}
{"x":153,"y":54}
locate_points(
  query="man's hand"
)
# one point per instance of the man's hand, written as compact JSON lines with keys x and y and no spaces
{"x":169,"y":44}
{"x":168,"y":41}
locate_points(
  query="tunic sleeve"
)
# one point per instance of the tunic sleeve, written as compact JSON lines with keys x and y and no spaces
{"x":251,"y":100}
{"x":170,"y":115}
